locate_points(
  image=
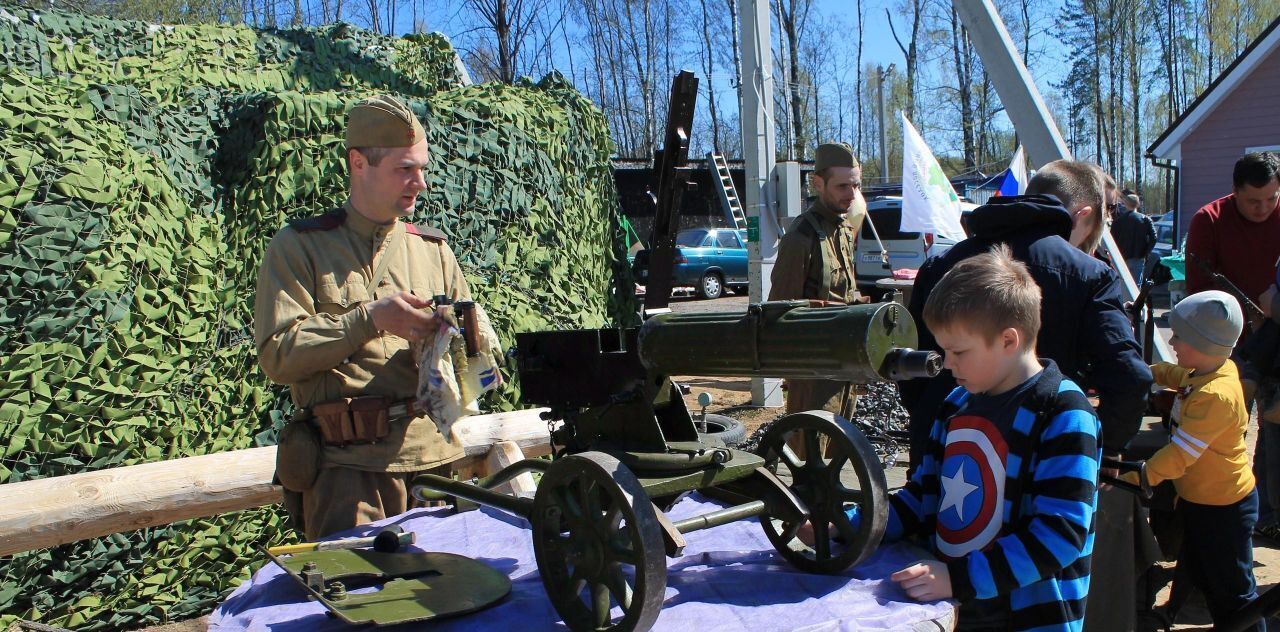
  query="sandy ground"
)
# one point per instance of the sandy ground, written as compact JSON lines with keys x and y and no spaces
{"x":733,"y":398}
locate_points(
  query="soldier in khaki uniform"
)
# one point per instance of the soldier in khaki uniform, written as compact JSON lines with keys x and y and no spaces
{"x":339,"y":300}
{"x":816,"y":262}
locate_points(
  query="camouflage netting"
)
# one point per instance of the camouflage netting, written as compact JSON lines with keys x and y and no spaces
{"x":143,"y":170}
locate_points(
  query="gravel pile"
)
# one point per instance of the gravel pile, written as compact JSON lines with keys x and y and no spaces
{"x":881,"y":409}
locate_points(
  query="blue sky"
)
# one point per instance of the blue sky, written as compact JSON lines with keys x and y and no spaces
{"x":879,"y":46}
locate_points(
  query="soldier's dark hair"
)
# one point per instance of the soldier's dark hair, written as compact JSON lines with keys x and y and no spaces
{"x":373,"y":155}
{"x":986,"y":294}
{"x":826,"y":173}
{"x":1257,"y":170}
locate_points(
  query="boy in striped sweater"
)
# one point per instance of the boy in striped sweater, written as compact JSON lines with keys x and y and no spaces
{"x":1205,"y":457}
{"x":1005,"y":494}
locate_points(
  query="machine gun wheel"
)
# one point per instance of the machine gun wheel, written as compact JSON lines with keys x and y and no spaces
{"x":598,"y":544}
{"x":831,"y":468}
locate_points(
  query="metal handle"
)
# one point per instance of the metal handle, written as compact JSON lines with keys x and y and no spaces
{"x":1142,"y":489}
{"x":470,"y":325}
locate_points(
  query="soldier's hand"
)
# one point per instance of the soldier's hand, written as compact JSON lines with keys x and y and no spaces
{"x":402,"y":315}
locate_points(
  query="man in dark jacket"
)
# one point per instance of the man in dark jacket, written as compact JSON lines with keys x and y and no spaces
{"x":1134,"y":233}
{"x":1084,"y":329}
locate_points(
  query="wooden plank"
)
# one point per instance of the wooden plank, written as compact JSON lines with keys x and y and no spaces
{"x":52,"y":511}
{"x":525,"y":428}
{"x":501,"y":455}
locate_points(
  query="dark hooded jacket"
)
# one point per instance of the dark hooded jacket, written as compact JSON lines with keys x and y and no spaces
{"x":1083,"y":326}
{"x":1134,"y":233}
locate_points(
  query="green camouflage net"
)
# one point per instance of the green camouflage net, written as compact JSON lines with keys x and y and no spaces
{"x":164,"y":62}
{"x":143,"y":171}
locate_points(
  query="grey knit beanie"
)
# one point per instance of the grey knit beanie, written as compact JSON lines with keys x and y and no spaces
{"x":1210,"y":322}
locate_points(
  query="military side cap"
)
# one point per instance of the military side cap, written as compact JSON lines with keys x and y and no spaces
{"x":833,"y":155}
{"x":383,"y":121}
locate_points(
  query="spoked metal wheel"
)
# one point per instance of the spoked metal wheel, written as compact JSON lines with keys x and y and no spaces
{"x":832,"y":469}
{"x":598,"y":544}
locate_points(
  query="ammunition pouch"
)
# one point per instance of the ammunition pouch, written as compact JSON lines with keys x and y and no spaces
{"x":356,"y":420}
{"x":298,"y":455}
{"x":292,"y":503}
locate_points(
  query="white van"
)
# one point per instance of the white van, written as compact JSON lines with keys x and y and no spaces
{"x":906,"y":249}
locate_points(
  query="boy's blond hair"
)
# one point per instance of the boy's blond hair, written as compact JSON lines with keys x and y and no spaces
{"x":986,"y":294}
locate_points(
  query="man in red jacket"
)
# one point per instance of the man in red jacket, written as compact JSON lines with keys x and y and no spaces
{"x":1239,"y":237}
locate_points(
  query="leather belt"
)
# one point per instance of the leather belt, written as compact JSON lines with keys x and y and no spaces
{"x":406,"y":409}
{"x":360,"y":420}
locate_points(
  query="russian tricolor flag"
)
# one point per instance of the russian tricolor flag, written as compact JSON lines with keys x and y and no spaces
{"x":1015,"y":177}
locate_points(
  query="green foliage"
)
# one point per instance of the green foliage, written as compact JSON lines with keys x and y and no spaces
{"x":143,"y":171}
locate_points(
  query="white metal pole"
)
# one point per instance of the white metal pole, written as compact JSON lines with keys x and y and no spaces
{"x":884,"y":160}
{"x":758,"y":151}
{"x":1017,"y":90}
{"x":1030,"y":117}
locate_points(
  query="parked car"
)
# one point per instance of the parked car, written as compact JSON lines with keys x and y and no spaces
{"x":1154,"y":269}
{"x":906,"y":249}
{"x":1164,"y":236}
{"x":710,"y":260}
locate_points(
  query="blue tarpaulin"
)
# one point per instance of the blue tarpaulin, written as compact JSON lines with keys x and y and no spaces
{"x":730,"y":578}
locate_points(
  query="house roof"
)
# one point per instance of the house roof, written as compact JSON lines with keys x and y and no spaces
{"x":1169,"y":145}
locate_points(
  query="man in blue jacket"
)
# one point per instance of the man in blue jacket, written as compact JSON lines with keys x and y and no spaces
{"x":1085,"y":329}
{"x":1054,"y":230}
{"x":1134,"y":233}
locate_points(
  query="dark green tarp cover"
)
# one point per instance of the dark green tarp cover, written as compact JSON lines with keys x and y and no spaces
{"x":143,"y":169}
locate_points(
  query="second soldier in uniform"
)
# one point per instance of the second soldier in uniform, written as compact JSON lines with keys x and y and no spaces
{"x":816,"y":262}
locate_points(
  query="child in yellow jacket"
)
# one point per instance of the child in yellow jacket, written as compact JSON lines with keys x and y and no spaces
{"x":1206,"y":457}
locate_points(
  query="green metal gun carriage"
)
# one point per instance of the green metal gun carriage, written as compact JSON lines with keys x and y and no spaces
{"x":627,"y":448}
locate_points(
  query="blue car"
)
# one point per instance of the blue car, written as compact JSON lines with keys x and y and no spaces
{"x":708,"y":259}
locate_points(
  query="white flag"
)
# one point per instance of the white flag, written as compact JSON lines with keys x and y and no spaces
{"x":929,"y":203}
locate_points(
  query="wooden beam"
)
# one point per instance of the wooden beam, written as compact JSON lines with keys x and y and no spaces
{"x":501,"y":455}
{"x":525,"y":428}
{"x":52,"y":511}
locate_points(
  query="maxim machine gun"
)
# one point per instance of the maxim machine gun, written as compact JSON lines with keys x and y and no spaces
{"x":627,"y":448}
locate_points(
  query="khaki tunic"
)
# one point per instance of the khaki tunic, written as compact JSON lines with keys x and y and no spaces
{"x":803,"y":258}
{"x":314,"y":332}
{"x":798,"y":273}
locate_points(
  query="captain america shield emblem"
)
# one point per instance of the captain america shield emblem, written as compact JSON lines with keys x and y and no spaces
{"x":971,"y":486}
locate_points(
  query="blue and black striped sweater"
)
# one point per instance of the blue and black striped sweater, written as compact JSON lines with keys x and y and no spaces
{"x":1017,"y":542}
